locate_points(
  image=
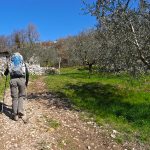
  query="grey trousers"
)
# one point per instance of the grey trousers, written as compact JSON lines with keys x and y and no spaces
{"x":18,"y":94}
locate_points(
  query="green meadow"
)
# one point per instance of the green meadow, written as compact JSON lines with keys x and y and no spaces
{"x":119,"y":102}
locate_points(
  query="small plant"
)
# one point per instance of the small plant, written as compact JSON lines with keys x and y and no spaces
{"x":52,"y":123}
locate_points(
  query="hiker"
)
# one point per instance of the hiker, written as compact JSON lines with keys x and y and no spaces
{"x":19,"y":77}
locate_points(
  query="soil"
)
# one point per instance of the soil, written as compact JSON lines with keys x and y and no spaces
{"x":53,"y":125}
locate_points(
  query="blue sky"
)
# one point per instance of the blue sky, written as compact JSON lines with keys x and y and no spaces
{"x":54,"y":18}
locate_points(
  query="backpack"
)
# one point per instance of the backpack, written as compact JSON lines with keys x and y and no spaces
{"x":17,"y":66}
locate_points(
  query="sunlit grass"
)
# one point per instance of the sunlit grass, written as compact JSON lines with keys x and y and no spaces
{"x":2,"y":86}
{"x":119,"y":100}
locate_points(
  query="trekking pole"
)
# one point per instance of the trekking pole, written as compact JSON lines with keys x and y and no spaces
{"x":4,"y":95}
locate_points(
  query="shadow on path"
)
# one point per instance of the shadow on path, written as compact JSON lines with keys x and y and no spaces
{"x":6,"y":110}
{"x":52,"y":98}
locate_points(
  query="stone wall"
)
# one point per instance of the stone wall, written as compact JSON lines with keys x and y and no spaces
{"x":34,"y":69}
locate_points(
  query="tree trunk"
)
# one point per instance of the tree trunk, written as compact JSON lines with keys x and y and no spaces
{"x":59,"y":64}
{"x":139,"y":49}
{"x":90,"y":69}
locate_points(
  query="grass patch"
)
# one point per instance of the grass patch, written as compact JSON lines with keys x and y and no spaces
{"x":33,"y":77}
{"x":52,"y":123}
{"x":2,"y":86}
{"x":119,"y":100}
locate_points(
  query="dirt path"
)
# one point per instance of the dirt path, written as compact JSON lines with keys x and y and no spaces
{"x":52,"y":126}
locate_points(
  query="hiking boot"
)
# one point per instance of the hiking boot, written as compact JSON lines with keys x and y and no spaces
{"x":15,"y":117}
{"x":23,"y":117}
{"x":20,"y":115}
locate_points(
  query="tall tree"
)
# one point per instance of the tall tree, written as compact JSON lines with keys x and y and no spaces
{"x":32,"y":34}
{"x":123,"y":26}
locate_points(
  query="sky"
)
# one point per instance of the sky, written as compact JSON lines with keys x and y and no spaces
{"x":54,"y":19}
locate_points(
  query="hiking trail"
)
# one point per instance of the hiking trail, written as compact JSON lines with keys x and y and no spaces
{"x":52,"y":125}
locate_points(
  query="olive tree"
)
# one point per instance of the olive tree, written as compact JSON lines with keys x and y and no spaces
{"x":123,"y":33}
